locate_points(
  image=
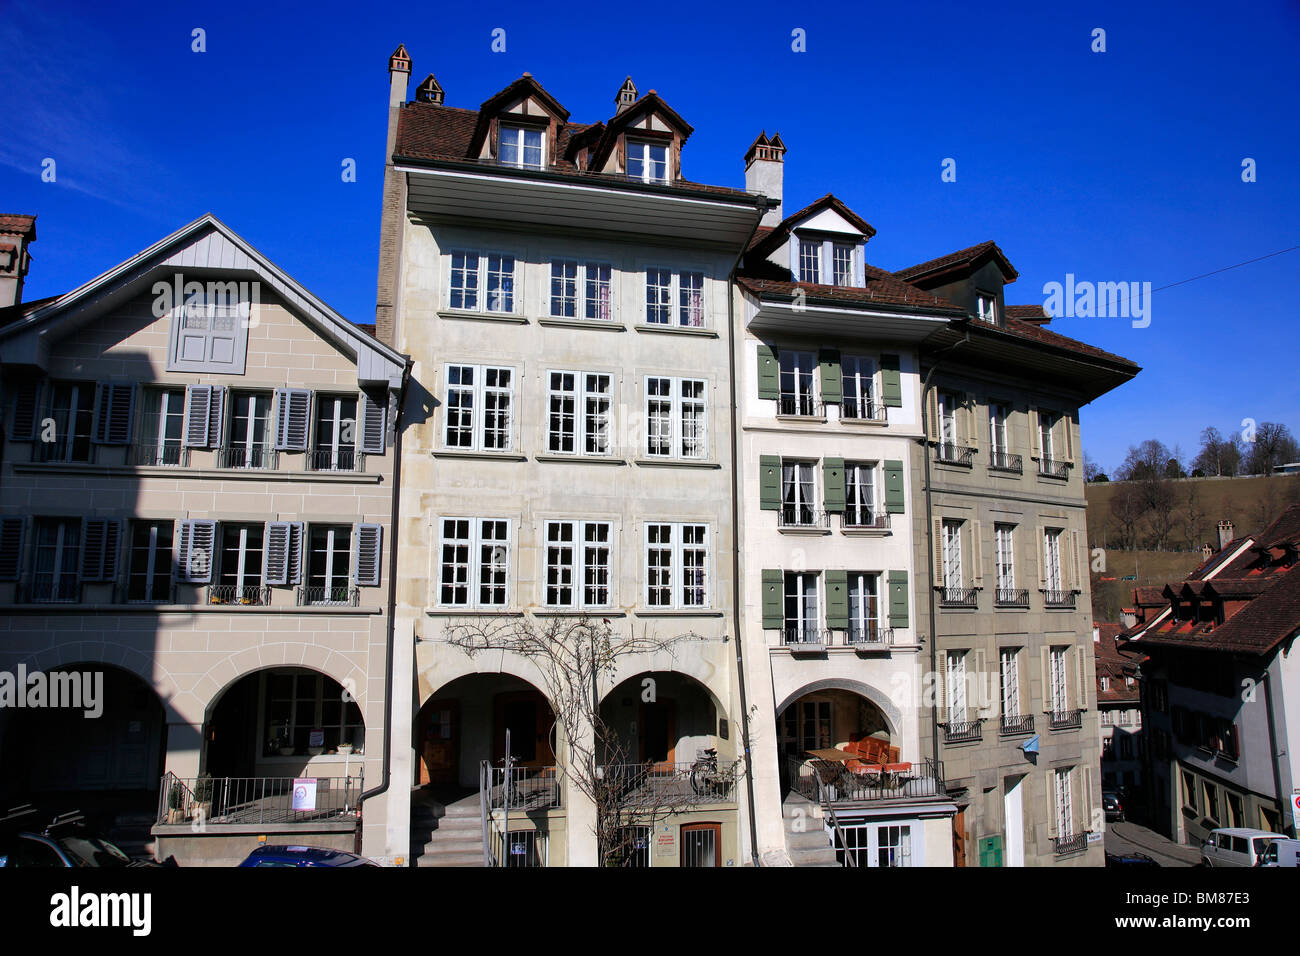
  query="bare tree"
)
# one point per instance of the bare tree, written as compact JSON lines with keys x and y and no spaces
{"x":1160,"y":501}
{"x":1219,"y":456}
{"x":1127,"y":506}
{"x":1273,"y":445}
{"x":574,"y":657}
{"x":1193,"y":515}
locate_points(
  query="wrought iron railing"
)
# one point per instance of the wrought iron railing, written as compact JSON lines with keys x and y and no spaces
{"x":1054,"y":468}
{"x":260,"y":456}
{"x":797,"y":635}
{"x":158,"y":454}
{"x":250,"y":595}
{"x":45,"y":590}
{"x":667,"y":785}
{"x":343,"y":459}
{"x":1005,"y":461}
{"x":958,"y":597}
{"x":963,"y":731}
{"x":1059,"y":599}
{"x":1011,"y":597}
{"x":799,"y":517}
{"x":341,"y":596}
{"x":949,"y":453}
{"x":1017,"y":724}
{"x":828,"y":781}
{"x":524,"y":788}
{"x":800,"y":406}
{"x":1065,"y":719}
{"x":864,"y":410}
{"x":259,"y":800}
{"x":82,"y":451}
{"x":1070,"y":843}
{"x":859,"y":519}
{"x":872,"y":636}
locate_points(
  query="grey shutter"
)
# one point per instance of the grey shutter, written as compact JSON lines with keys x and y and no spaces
{"x":194,"y":550}
{"x":773,"y":600}
{"x":100,"y":538}
{"x":833,"y":492}
{"x":198,"y":415}
{"x":114,"y":410}
{"x":295,"y":552}
{"x":11,"y":547}
{"x":769,"y":374}
{"x":891,"y":381}
{"x":26,"y":402}
{"x":216,"y":413}
{"x":365,"y":554}
{"x":832,"y":390}
{"x":374,"y":424}
{"x":898,"y":599}
{"x":895,"y":491}
{"x":837,"y":600}
{"x":292,"y":418}
{"x":275,"y":569}
{"x":769,"y":482}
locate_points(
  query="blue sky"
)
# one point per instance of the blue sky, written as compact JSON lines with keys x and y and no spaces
{"x":1115,"y":166}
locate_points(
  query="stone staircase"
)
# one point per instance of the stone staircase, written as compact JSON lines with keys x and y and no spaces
{"x":446,"y":828}
{"x":806,"y":840}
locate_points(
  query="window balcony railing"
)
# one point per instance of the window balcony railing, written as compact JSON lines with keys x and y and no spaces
{"x":44,"y":590}
{"x":523,"y":788}
{"x":256,"y":456}
{"x":800,"y":406}
{"x":1004,"y":461}
{"x":1053,"y":468}
{"x":863,"y":410}
{"x":958,"y":597}
{"x":328,"y":459}
{"x":963,"y":731}
{"x":341,"y":596}
{"x":1058,"y":599}
{"x":248,"y":595}
{"x":1070,"y":843}
{"x":256,"y":800}
{"x":831,"y":782}
{"x":870,"y":637}
{"x":798,"y":635}
{"x":860,"y":519}
{"x":1064,"y":719}
{"x":1013,"y":724}
{"x":662,"y":785}
{"x":1011,"y":597}
{"x":949,"y":453}
{"x":797,"y":517}
{"x":158,"y":454}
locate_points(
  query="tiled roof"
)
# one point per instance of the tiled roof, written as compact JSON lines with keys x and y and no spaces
{"x":960,"y":257}
{"x":368,"y":328}
{"x":881,"y":289}
{"x":16,"y":224}
{"x":775,"y":235}
{"x":1035,"y":314}
{"x":1017,"y":328}
{"x":1117,"y":661}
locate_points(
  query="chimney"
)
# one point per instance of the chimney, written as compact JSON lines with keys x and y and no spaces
{"x":764,"y":173}
{"x":1207,"y":551}
{"x":1096,"y":634}
{"x":1225,"y":533}
{"x":625,"y":96}
{"x":429,"y":91}
{"x":399,"y":74}
{"x":1128,"y":617}
{"x":17,"y":232}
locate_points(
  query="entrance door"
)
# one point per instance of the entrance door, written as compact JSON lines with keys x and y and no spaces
{"x":959,"y":838}
{"x":439,"y":742}
{"x":658,"y":736}
{"x":1013,"y":816}
{"x":528,"y":718}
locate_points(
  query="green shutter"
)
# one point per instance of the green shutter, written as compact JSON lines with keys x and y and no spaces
{"x":769,"y":482}
{"x":833,"y":483}
{"x":837,"y":600}
{"x":891,"y":381}
{"x":898,"y":599}
{"x":831,"y":388}
{"x":773,"y":605}
{"x":769,"y":374}
{"x":991,"y":851}
{"x":895,"y":490}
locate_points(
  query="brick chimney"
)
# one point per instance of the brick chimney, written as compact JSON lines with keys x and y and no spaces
{"x":765,"y":173}
{"x":394,"y":202}
{"x":17,"y":232}
{"x":1225,"y":533}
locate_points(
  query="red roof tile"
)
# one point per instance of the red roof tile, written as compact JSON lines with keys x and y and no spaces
{"x":16,"y":224}
{"x":960,"y":257}
{"x":1034,"y":314}
{"x":881,"y":289}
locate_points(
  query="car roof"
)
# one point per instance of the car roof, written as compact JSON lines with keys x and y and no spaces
{"x":306,"y":854}
{"x":1245,"y":831}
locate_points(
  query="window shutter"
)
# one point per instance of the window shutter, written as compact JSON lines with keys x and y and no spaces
{"x":27,"y":401}
{"x":1081,"y":675}
{"x":833,"y":484}
{"x":198,"y":414}
{"x":832,"y":389}
{"x":936,"y":533}
{"x":941,"y":687}
{"x":1042,"y":557}
{"x":1070,"y":543}
{"x":793,"y":246}
{"x":972,"y":418}
{"x":194,"y":550}
{"x":292,"y":418}
{"x":1035,"y":441}
{"x":773,"y":603}
{"x":216,"y":415}
{"x":114,"y":409}
{"x":769,"y":482}
{"x":1045,"y":672}
{"x":1050,"y":778}
{"x":898,"y":597}
{"x":11,"y":547}
{"x":275,"y":569}
{"x":984,"y":706}
{"x":859,"y":266}
{"x":365,"y":556}
{"x":976,"y":554}
{"x":895,"y":491}
{"x":932,"y":416}
{"x":837,"y":600}
{"x":374,"y":424}
{"x":1067,"y":426}
{"x":99,"y":547}
{"x":769,"y":372}
{"x":295,"y":552}
{"x":1086,"y":804}
{"x":891,"y":381}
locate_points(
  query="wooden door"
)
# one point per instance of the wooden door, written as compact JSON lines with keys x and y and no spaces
{"x":440,"y":742}
{"x":657,"y":740}
{"x":528,"y":717}
{"x":959,"y":838}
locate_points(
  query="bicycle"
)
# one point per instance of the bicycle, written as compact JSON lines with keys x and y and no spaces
{"x":705,"y":776}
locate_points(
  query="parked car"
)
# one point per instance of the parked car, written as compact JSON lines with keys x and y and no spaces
{"x":1285,"y":852}
{"x":66,"y":842}
{"x":304,"y":856}
{"x":1236,"y":846}
{"x":1129,"y":859}
{"x":1110,"y":802}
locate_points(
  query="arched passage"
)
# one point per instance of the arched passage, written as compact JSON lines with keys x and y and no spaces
{"x":835,"y":713}
{"x":664,"y":717}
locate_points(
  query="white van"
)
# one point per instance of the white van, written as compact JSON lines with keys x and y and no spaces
{"x":1282,"y":853}
{"x":1236,"y":846}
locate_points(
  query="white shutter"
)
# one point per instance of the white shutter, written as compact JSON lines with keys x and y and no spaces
{"x":216,"y":410}
{"x":374,"y":424}
{"x":932,"y":414}
{"x":365,"y":554}
{"x":972,"y":417}
{"x":1035,"y":442}
{"x":100,"y":538}
{"x":295,"y":552}
{"x":114,"y":409}
{"x":275,"y":568}
{"x":976,"y":555}
{"x":1081,"y":675}
{"x":1045,"y":663}
{"x":11,"y":547}
{"x":195,"y":539}
{"x":936,"y":531}
{"x":1067,"y":424}
{"x":1085,"y":800}
{"x":1042,"y":556}
{"x":985,"y":706}
{"x":941,"y":687}
{"x":292,"y":418}
{"x":198,"y":415}
{"x":1050,"y":780}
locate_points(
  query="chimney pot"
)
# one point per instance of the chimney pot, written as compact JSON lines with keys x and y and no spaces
{"x":17,"y":233}
{"x":625,"y":96}
{"x":1225,"y":533}
{"x":765,"y":173}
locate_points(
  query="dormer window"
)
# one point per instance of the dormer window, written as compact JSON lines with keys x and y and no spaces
{"x":843,"y":263}
{"x":810,"y":261}
{"x":986,"y":306}
{"x":647,"y":162}
{"x":521,"y":147}
{"x":826,"y":262}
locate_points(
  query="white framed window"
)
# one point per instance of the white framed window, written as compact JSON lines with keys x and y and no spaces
{"x":481,"y":282}
{"x":1052,"y":559}
{"x":474,"y":562}
{"x":1005,"y":546}
{"x":521,"y":146}
{"x":952,"y":570}
{"x":336,"y":428}
{"x":842,"y":262}
{"x":676,"y":417}
{"x":250,"y":445}
{"x":298,"y":702}
{"x":149,"y":563}
{"x":581,"y":289}
{"x":998,"y":428}
{"x":578,"y":422}
{"x":805,"y":725}
{"x":802,"y":620}
{"x":240,"y":569}
{"x":860,"y":494}
{"x":798,"y":493}
{"x":1064,"y":802}
{"x":677,"y":565}
{"x":798,"y":391}
{"x":56,"y":560}
{"x":479,"y":408}
{"x":810,"y":261}
{"x":1009,"y":676}
{"x":71,"y":406}
{"x":578,"y":555}
{"x":690,"y":299}
{"x":864,"y":605}
{"x":162,"y":427}
{"x":685,"y":288}
{"x":858,"y":377}
{"x":986,"y":306}
{"x":1058,"y":699}
{"x":956,"y":686}
{"x":1046,"y":429}
{"x":647,"y":161}
{"x":949,"y":403}
{"x":328,"y":564}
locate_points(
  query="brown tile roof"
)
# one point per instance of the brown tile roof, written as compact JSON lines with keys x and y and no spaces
{"x":1116,"y":660}
{"x":777,"y":234}
{"x":368,"y":328}
{"x":1020,"y":329}
{"x":16,"y":224}
{"x":959,"y":258}
{"x":1034,"y":314}
{"x":881,"y":289}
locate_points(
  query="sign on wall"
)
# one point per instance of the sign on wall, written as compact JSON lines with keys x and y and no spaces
{"x":304,"y":793}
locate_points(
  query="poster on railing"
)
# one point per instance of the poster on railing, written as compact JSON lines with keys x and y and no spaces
{"x":304,"y":793}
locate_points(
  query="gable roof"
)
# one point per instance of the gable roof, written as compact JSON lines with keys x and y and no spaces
{"x":969,"y":258}
{"x":522,"y":88}
{"x":208,"y":247}
{"x":768,"y":238}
